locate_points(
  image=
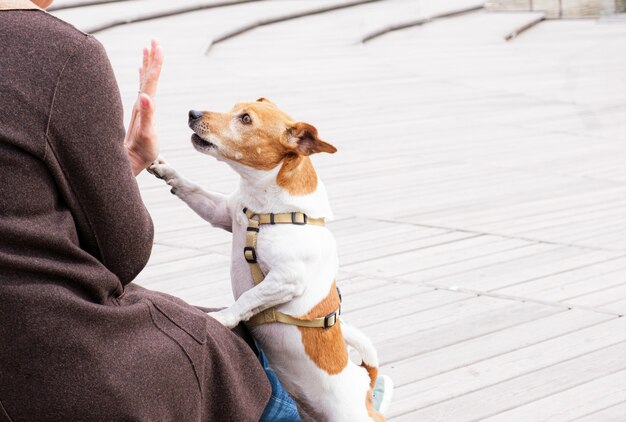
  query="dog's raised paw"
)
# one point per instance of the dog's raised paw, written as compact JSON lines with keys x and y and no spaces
{"x":160,"y":169}
{"x":156,"y":170}
{"x":225,"y":318}
{"x":153,"y":171}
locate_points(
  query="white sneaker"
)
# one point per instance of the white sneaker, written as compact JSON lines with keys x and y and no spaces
{"x":382,"y":394}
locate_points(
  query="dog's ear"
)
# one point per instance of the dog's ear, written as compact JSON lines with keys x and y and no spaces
{"x":302,"y":137}
{"x":264,"y":100}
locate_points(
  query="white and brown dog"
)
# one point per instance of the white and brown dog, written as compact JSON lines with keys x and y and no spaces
{"x":295,"y":263}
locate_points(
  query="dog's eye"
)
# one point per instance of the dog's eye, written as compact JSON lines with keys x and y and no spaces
{"x":246,"y":119}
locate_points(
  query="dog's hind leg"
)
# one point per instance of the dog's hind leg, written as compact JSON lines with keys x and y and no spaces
{"x":356,"y":339}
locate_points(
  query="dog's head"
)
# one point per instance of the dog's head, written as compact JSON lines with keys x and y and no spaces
{"x":257,"y":135}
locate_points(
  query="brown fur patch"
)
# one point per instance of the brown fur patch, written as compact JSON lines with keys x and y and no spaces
{"x":373,"y":413}
{"x":297,"y":175}
{"x":372,"y":372}
{"x":325,"y":346}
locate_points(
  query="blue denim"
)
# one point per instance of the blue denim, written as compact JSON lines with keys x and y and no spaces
{"x":281,"y":407}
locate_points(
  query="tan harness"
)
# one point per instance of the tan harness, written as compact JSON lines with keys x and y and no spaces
{"x":249,"y":252}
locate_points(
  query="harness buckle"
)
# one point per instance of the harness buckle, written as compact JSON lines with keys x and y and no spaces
{"x":294,"y":219}
{"x":330,"y":320}
{"x":250,"y":254}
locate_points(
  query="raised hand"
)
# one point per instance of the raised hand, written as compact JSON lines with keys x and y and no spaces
{"x":141,"y":140}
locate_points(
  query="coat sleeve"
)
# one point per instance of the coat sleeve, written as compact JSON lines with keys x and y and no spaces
{"x":85,"y":137}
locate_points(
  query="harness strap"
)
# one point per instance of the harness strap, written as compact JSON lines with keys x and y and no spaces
{"x":271,"y":315}
{"x":297,"y":218}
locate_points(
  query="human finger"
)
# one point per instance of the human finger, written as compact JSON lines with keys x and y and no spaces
{"x":146,"y":58}
{"x":153,"y":72}
{"x":153,"y":47}
{"x":147,"y":111}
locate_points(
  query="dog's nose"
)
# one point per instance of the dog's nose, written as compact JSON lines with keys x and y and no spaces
{"x":194,"y":114}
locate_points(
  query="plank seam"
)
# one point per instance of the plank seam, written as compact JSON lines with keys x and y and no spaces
{"x":523,"y":28}
{"x":597,"y":411}
{"x":602,"y":261}
{"x":394,"y":316}
{"x":447,"y":242}
{"x":527,"y":239}
{"x":491,"y":294}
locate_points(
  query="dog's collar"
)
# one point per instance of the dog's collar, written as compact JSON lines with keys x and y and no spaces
{"x":18,"y":5}
{"x":270,"y":315}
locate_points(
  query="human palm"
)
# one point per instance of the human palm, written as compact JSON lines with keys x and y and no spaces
{"x":141,"y":140}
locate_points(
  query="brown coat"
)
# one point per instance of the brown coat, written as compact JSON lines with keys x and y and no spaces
{"x":78,"y":340}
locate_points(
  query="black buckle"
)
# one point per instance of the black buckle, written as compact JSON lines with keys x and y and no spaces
{"x":252,"y":259}
{"x":252,"y":229}
{"x":296,"y":222}
{"x":330,"y":319}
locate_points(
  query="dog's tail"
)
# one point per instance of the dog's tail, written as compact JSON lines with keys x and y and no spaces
{"x":355,"y":338}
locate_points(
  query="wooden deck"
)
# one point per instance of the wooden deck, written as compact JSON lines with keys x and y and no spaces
{"x":479,"y":188}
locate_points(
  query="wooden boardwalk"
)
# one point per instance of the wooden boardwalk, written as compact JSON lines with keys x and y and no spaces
{"x":479,"y":188}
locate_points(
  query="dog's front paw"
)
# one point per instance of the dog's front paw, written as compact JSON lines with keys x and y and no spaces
{"x":159,"y":168}
{"x":226,"y":318}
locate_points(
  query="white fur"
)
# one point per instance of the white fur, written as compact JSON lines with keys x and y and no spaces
{"x":300,"y":263}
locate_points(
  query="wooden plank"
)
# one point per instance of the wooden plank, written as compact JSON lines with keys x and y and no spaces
{"x":400,"y":306}
{"x":490,"y":276}
{"x":475,"y":377}
{"x":596,"y":395}
{"x":450,"y":324}
{"x":462,"y":249}
{"x":613,"y":413}
{"x":604,"y":297}
{"x":163,"y":254}
{"x":463,"y":354}
{"x":361,"y":293}
{"x":617,"y":305}
{"x":201,"y":280}
{"x":571,"y":284}
{"x":507,"y":394}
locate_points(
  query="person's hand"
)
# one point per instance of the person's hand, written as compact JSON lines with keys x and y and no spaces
{"x":142,"y":143}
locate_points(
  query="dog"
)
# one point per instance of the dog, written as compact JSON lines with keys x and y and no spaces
{"x":284,"y":259}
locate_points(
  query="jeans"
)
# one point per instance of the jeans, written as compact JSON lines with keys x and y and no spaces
{"x":281,"y":407}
